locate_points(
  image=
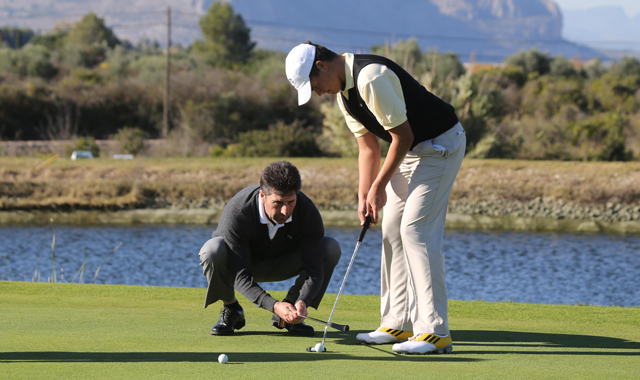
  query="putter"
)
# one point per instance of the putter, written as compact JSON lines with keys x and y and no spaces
{"x":336,"y":326}
{"x":365,"y":227}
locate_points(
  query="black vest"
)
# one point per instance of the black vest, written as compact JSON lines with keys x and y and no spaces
{"x":428,"y":115}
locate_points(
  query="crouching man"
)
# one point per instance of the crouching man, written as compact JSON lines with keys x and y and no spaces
{"x":272,"y":232}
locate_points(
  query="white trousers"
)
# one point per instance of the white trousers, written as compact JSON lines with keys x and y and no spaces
{"x":413,"y":289}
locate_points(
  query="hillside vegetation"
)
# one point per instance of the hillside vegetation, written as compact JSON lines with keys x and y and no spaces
{"x":80,"y":82}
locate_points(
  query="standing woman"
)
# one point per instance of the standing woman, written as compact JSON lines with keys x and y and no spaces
{"x":379,"y":99}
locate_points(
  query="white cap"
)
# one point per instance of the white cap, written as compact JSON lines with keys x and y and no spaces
{"x":298,"y":66}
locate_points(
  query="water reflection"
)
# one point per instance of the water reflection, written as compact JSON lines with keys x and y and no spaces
{"x":522,"y":267}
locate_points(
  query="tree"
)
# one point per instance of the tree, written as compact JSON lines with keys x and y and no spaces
{"x":626,"y":66}
{"x":561,"y":67}
{"x":227,"y":39}
{"x":443,"y":67}
{"x":15,"y":38}
{"x":32,"y":61}
{"x":407,"y":53}
{"x":594,"y":69}
{"x":530,"y":61}
{"x":88,"y":41}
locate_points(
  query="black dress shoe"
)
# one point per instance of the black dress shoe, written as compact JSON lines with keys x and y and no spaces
{"x":230,"y":320}
{"x":300,"y":329}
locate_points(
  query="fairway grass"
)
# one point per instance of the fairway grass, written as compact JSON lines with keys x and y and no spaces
{"x":72,"y":331}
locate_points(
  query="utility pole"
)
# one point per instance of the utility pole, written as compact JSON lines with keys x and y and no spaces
{"x":165,"y":114}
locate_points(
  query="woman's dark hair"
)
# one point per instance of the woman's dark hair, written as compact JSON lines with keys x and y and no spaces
{"x":280,"y":177}
{"x":322,"y":54}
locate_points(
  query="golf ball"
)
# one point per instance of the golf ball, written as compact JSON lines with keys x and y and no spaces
{"x":319,"y":347}
{"x":223,"y":358}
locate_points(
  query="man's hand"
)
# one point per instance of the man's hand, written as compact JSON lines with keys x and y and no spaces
{"x":288,"y":313}
{"x":362,"y":210}
{"x":301,"y":308}
{"x":376,"y":200}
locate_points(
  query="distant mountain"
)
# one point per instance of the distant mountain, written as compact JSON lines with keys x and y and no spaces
{"x":607,"y":28}
{"x":487,"y":29}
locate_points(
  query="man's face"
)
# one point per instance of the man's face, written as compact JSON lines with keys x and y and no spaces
{"x":327,"y":80}
{"x":279,"y":207}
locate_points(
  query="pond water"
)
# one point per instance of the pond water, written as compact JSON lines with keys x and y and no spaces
{"x":541,"y":268}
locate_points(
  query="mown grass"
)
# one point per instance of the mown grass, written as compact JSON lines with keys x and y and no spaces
{"x":130,"y":332}
{"x":330,"y":182}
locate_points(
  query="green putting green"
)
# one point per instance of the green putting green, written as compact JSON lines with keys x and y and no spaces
{"x":72,"y":331}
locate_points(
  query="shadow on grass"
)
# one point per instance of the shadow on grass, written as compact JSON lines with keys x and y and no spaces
{"x":528,"y":339}
{"x":234,"y":357}
{"x":484,"y":342}
{"x":515,"y":339}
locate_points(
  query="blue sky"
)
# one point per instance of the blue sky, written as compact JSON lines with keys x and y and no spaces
{"x":631,"y":7}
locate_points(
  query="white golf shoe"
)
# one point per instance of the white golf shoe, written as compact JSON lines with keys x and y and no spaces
{"x":425,"y":344}
{"x":384,"y":336}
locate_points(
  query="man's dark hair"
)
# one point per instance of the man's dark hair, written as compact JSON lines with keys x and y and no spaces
{"x":280,"y":177}
{"x":322,"y":54}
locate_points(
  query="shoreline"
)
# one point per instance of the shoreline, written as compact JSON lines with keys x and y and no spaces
{"x":331,"y":218}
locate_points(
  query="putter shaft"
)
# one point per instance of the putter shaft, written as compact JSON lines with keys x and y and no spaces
{"x":365,"y":227}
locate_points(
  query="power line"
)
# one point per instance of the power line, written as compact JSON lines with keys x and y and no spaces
{"x":365,"y":49}
{"x":422,"y":36}
{"x":409,"y":35}
{"x":78,"y":14}
{"x":280,"y":25}
{"x":401,"y":34}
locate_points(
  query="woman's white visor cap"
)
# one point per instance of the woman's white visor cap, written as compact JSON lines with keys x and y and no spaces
{"x":299,"y":63}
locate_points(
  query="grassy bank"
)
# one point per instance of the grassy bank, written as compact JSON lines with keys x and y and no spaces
{"x":106,"y":184}
{"x":101,"y":331}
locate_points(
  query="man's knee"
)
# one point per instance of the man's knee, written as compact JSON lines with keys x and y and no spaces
{"x":332,"y":250}
{"x":213,"y":250}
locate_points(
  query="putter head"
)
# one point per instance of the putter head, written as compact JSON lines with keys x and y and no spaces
{"x":313,"y":349}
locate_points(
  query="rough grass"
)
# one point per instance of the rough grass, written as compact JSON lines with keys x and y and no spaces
{"x":131,"y":332}
{"x":331,"y":183}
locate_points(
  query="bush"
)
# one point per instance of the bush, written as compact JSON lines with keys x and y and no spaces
{"x":594,"y":69}
{"x":131,"y":140}
{"x":476,"y":104}
{"x":407,"y":54}
{"x":336,"y":139}
{"x":24,"y":111}
{"x":280,"y":140}
{"x":562,"y":67}
{"x":31,"y":61}
{"x":103,"y":109}
{"x":545,"y":96}
{"x":627,"y":66}
{"x":117,"y":63}
{"x":514,"y":74}
{"x":496,"y":146}
{"x":601,"y":137}
{"x":443,"y":67}
{"x":431,"y":66}
{"x":611,"y":93}
{"x":530,"y":62}
{"x":88,"y":143}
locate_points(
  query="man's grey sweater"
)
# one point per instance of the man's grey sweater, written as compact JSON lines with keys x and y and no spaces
{"x":249,"y":244}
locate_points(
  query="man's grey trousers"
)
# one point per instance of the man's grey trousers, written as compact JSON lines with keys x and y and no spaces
{"x":214,"y":255}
